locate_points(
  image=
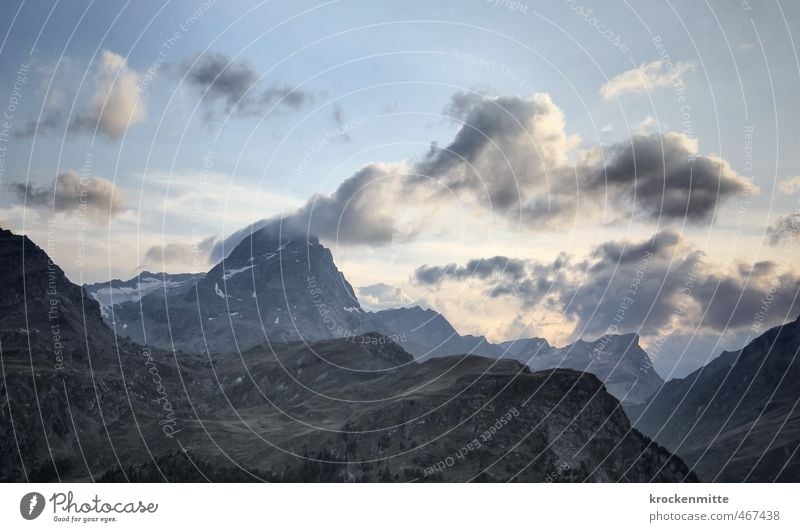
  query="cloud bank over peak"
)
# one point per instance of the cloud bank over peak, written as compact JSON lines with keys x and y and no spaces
{"x":513,"y":159}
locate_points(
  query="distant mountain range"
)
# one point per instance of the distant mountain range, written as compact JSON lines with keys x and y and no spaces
{"x":79,"y":403}
{"x":278,"y":287}
{"x":617,"y":360}
{"x":321,"y":390}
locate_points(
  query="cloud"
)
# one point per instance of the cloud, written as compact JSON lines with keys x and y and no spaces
{"x":337,"y":115}
{"x":506,"y":150}
{"x":235,"y":86}
{"x":789,"y":185}
{"x":653,"y":287}
{"x":664,"y":176}
{"x":625,"y":252}
{"x":512,"y":269}
{"x":70,"y":192}
{"x":645,"y":125}
{"x":382,"y":296}
{"x":646,"y":77}
{"x":362,"y":210}
{"x":785,"y":230}
{"x":512,"y":158}
{"x":180,"y":256}
{"x":116,"y":104}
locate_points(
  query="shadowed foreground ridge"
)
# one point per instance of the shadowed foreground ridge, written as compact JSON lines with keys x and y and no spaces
{"x":735,"y":419}
{"x":358,"y":408}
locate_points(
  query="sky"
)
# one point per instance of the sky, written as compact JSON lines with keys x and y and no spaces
{"x":561,"y":169}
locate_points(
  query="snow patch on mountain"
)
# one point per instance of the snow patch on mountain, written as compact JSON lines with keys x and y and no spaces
{"x":230,"y":273}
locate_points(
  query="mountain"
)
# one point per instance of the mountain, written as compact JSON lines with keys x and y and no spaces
{"x":73,"y":397}
{"x":79,"y":403}
{"x":362,"y":409}
{"x":737,"y":418}
{"x":277,"y":287}
{"x":116,"y":291}
{"x":617,"y":360}
{"x":426,"y":333}
{"x":273,"y":287}
{"x":523,"y":349}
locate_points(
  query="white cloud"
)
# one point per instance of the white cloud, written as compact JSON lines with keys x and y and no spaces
{"x":646,"y":77}
{"x":382,"y":296}
{"x":116,"y":104}
{"x":645,"y":125}
{"x":790,"y":185}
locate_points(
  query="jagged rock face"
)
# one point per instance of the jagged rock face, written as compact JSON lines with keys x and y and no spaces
{"x":735,"y":419}
{"x":271,"y":288}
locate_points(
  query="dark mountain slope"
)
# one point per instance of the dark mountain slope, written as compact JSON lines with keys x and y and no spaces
{"x":738,"y":417}
{"x":362,"y":409}
{"x":73,"y":399}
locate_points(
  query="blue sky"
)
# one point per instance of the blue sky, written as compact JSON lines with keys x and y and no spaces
{"x":374,"y":82}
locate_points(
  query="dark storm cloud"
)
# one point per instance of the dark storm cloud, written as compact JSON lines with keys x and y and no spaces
{"x":625,"y":252}
{"x":503,"y":150}
{"x":735,"y":301}
{"x":666,"y":178}
{"x":528,"y":280}
{"x":514,"y":156}
{"x":222,"y":78}
{"x":647,"y":287}
{"x":235,"y":85}
{"x":785,"y":229}
{"x":69,"y":192}
{"x":512,"y":269}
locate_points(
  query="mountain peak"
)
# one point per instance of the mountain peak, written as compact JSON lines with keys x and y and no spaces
{"x":274,"y":286}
